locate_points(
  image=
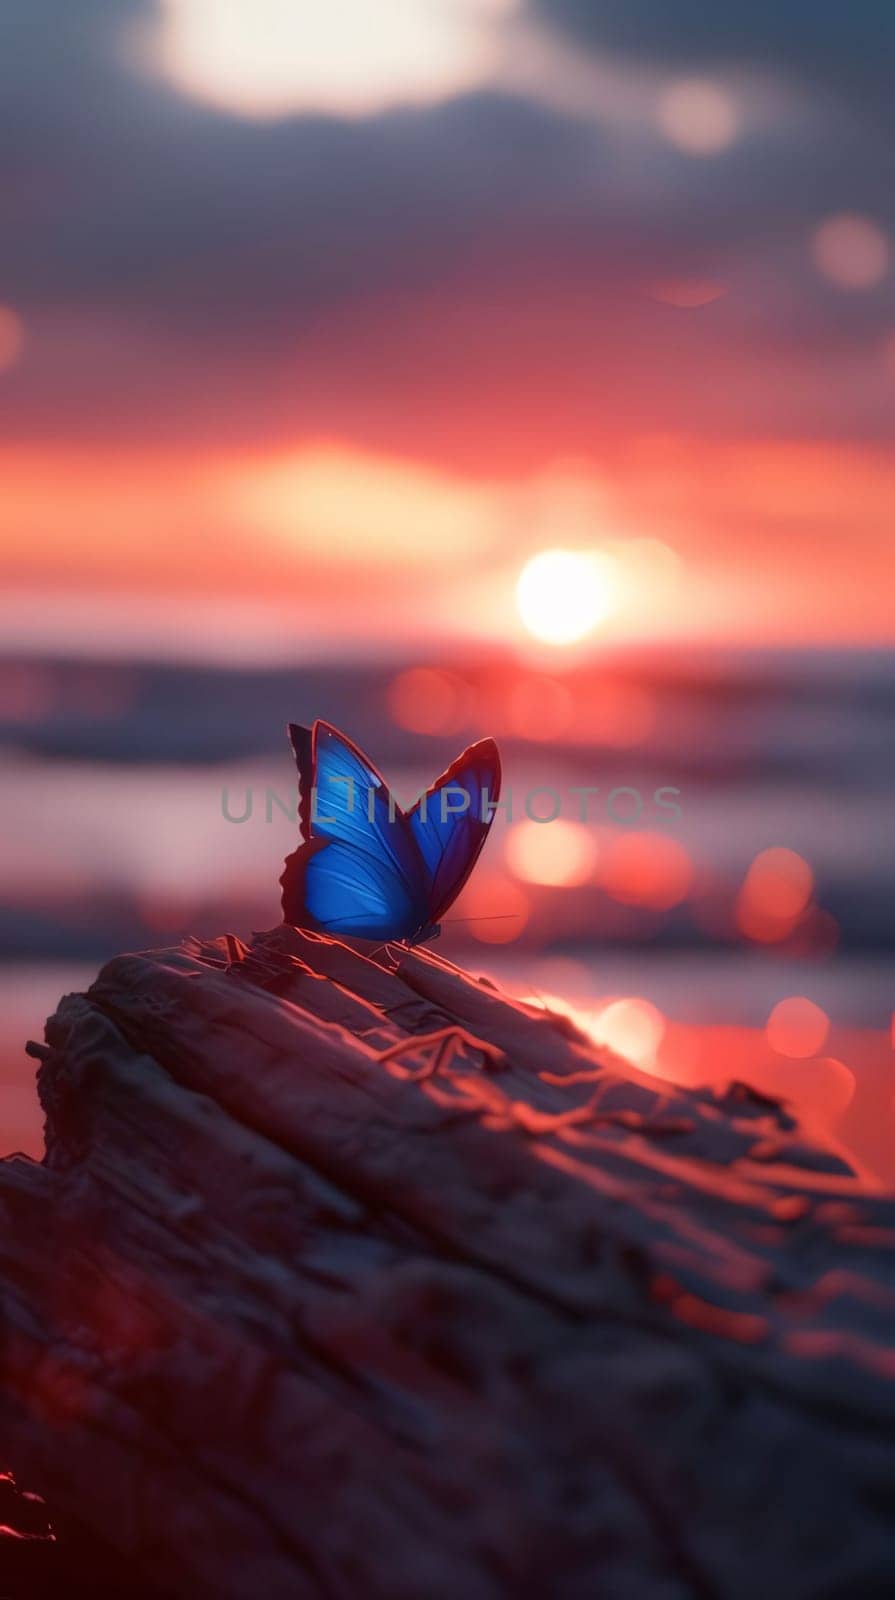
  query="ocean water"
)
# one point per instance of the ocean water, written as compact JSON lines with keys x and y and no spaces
{"x":113,"y":835}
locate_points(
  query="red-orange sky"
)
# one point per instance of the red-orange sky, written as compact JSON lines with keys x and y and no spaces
{"x":314,"y":328}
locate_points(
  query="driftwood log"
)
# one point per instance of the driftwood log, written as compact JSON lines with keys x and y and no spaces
{"x":352,"y":1278}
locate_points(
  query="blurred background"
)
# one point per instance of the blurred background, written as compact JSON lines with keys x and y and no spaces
{"x":451,"y":367}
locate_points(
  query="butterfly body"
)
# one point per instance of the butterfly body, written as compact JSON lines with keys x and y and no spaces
{"x":368,"y":869}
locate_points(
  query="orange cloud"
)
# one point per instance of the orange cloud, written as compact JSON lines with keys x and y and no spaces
{"x":390,"y":548}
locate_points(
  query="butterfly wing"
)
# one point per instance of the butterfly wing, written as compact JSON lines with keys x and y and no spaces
{"x":449,"y":841}
{"x":358,"y":871}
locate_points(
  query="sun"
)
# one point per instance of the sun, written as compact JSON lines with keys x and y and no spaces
{"x":563,"y":595}
{"x":352,"y":58}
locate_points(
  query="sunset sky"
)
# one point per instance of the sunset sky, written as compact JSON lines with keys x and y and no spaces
{"x":318,"y":322}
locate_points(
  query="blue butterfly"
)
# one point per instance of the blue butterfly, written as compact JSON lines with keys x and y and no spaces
{"x":367,"y":868}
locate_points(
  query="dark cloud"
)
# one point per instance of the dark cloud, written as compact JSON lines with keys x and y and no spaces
{"x":123,"y":194}
{"x":129,"y":196}
{"x":156,"y":206}
{"x":139,"y":216}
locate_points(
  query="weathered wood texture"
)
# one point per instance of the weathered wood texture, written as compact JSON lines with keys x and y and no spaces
{"x":300,"y":1304}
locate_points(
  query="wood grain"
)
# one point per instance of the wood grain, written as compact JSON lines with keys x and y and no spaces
{"x":348,"y":1277}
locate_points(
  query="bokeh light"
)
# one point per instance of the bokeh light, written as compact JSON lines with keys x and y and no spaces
{"x":492,"y":909}
{"x":559,"y":854}
{"x":851,"y":251}
{"x":697,"y":116}
{"x":427,"y":700}
{"x":633,"y":1028}
{"x":563,"y":595}
{"x":832,"y":1086}
{"x":629,"y":1026}
{"x":775,"y":893}
{"x":646,"y":869}
{"x":797,"y":1027}
{"x":12,"y":338}
{"x":583,"y":1016}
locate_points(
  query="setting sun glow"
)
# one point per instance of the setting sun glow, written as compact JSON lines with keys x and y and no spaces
{"x":563,"y":595}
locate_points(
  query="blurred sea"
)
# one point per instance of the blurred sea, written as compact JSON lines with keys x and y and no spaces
{"x":114,"y":837}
